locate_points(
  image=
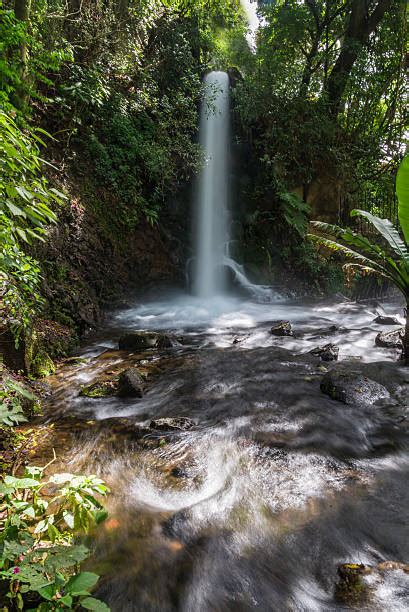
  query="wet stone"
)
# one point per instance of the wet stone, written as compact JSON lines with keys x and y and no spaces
{"x":73,"y":361}
{"x":172,"y":424}
{"x":100,"y":389}
{"x":130,"y":383}
{"x":391,"y":339}
{"x":327,"y":352}
{"x":352,"y":388}
{"x":178,"y":472}
{"x":351,"y":588}
{"x":386,"y":320}
{"x":142,"y":340}
{"x":281,"y":328}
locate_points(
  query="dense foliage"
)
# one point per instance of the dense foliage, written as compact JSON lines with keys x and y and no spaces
{"x":322,"y":106}
{"x":25,"y":199}
{"x":39,"y":561}
{"x":388,"y":256}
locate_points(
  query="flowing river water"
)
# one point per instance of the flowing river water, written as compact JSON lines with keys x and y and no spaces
{"x":275,"y":484}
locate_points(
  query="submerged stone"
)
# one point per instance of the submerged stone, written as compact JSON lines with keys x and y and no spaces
{"x":178,"y":472}
{"x":99,"y":389}
{"x":327,"y":352}
{"x":281,"y":328}
{"x":172,"y":424}
{"x":390,"y":339}
{"x":352,"y":388}
{"x":142,"y":340}
{"x":73,"y":361}
{"x":130,"y":383}
{"x":386,"y":320}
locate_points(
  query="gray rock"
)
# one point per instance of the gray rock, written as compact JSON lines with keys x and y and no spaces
{"x":281,"y":328}
{"x":327,"y":352}
{"x":142,"y":340}
{"x":172,"y":424}
{"x":386,"y":320}
{"x":178,"y":472}
{"x":352,"y":387}
{"x":130,"y":383}
{"x":390,"y":339}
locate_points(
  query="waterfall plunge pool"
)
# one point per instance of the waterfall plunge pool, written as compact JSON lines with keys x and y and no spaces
{"x":275,"y":484}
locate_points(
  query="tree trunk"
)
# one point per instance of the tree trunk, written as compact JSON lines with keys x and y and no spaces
{"x":406,"y":336}
{"x":22,"y":12}
{"x":361,"y":25}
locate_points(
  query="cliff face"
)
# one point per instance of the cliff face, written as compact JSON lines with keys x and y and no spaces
{"x":91,"y":263}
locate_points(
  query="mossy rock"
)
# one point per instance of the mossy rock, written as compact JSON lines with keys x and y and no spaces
{"x":352,"y":387}
{"x":351,"y":589}
{"x":48,"y":341}
{"x":100,"y":389}
{"x":42,"y":365}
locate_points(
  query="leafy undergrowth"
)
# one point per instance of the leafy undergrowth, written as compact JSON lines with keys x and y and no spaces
{"x":41,"y":518}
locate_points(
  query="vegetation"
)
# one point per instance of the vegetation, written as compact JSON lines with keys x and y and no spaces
{"x":389,"y":256}
{"x":98,"y":153}
{"x":39,"y":560}
{"x":321,"y":108}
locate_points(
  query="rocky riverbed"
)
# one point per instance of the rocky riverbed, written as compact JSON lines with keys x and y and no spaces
{"x":246,"y":466}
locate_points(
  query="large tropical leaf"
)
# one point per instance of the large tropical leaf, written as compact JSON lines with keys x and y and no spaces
{"x":402,"y":190}
{"x":347,"y":252}
{"x":352,"y":239}
{"x":387,"y":268}
{"x":387,"y":231}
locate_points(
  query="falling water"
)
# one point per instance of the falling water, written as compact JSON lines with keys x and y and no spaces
{"x":212,"y":213}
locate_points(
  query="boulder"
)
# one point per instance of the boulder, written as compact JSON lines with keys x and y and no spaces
{"x":352,"y":388}
{"x":130,"y":383}
{"x":281,"y":328}
{"x":327,"y":352}
{"x":352,"y":590}
{"x":390,"y":339}
{"x":142,"y":340}
{"x":172,"y":424}
{"x":386,"y":320}
{"x":98,"y":389}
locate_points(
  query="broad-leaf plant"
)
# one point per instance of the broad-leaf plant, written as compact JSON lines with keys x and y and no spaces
{"x":388,"y":255}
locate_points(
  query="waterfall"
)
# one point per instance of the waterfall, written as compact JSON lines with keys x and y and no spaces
{"x":212,"y":217}
{"x":214,"y":270}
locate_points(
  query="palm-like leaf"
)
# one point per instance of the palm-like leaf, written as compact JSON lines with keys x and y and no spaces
{"x":351,"y":238}
{"x":368,"y":256}
{"x":402,"y":190}
{"x":359,"y":259}
{"x":387,"y":231}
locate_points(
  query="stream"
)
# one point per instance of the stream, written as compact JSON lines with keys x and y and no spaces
{"x":274,"y":485}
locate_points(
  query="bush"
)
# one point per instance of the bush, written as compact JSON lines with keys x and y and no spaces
{"x":39,"y":560}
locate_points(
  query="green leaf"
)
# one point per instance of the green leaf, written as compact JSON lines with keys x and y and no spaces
{"x":21,"y":483}
{"x":11,"y":415}
{"x":64,"y":556}
{"x":67,"y":600}
{"x":82,"y":583}
{"x":47,"y":592}
{"x":15,"y":210}
{"x":20,"y":390}
{"x":90,"y":603}
{"x":387,"y":231}
{"x":402,"y":190}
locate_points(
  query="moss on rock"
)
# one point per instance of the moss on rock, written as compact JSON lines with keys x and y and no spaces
{"x":100,"y":389}
{"x":42,"y":365}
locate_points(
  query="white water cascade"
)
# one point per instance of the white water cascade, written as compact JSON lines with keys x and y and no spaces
{"x":212,"y":213}
{"x":212,"y":217}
